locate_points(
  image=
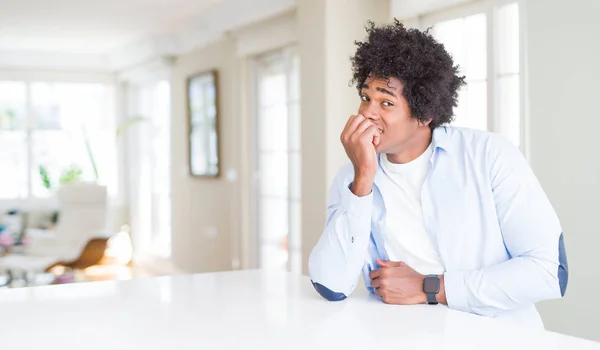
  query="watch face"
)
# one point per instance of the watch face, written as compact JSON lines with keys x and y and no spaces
{"x":431,"y":285}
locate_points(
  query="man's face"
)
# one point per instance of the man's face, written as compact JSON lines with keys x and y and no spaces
{"x":383,"y":103}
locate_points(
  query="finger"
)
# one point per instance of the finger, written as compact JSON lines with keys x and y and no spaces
{"x":362,"y":127}
{"x":387,"y":263}
{"x":380,"y":262}
{"x":376,"y":283}
{"x":370,"y":133}
{"x":396,"y":263}
{"x":348,"y":122}
{"x":354,"y":124}
{"x":378,"y":292}
{"x":375,"y":274}
{"x":376,"y":139}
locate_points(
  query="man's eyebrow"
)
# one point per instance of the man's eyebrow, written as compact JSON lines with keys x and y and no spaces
{"x":385,"y":91}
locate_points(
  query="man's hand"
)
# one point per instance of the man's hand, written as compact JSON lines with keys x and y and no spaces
{"x":359,"y":137}
{"x":397,"y":283}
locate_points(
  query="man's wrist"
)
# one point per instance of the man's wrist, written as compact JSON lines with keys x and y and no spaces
{"x":361,"y":186}
{"x":441,"y":296}
{"x":423,"y":294}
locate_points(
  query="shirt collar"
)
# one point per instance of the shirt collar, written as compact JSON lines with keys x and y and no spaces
{"x":440,"y":138}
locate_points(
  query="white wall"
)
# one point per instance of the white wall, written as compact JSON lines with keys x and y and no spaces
{"x":201,"y":206}
{"x":327,"y":30}
{"x":201,"y":220}
{"x":563,"y":52}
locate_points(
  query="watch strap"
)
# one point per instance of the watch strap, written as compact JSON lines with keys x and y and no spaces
{"x":431,"y":298}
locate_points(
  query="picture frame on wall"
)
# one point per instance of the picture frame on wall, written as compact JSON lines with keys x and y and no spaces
{"x":203,"y":124}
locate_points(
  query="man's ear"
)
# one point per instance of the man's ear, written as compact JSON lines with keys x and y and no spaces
{"x":426,"y":122}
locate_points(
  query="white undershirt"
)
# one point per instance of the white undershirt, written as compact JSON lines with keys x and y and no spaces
{"x":405,"y":236}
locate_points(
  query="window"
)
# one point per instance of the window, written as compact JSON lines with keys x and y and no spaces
{"x":64,"y":130}
{"x":278,"y":160}
{"x":507,"y":72}
{"x":465,"y":38}
{"x":13,"y":140}
{"x":484,"y":42}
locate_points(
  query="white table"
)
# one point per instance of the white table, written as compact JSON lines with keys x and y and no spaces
{"x":242,"y":310}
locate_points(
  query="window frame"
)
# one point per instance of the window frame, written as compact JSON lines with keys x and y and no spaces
{"x":489,"y":8}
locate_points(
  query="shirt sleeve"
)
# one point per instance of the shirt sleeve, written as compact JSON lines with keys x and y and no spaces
{"x":336,"y":261}
{"x":537,"y":269}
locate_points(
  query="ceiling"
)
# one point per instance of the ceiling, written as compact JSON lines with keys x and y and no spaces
{"x":91,"y":26}
{"x":116,"y":33}
{"x":112,"y":35}
{"x":406,"y":9}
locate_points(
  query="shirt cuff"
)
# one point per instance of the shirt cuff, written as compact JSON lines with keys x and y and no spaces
{"x":456,"y":291}
{"x":356,"y":204}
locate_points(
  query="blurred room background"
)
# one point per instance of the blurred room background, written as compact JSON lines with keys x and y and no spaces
{"x":153,"y":137}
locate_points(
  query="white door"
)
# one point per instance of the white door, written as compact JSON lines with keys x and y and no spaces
{"x":149,"y":168}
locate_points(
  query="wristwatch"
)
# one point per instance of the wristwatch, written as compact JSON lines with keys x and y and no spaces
{"x":431,"y":287}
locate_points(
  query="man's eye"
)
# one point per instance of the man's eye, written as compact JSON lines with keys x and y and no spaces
{"x":364,"y":98}
{"x":388,"y":104}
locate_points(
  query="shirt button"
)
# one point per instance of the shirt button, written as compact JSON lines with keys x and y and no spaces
{"x":352,"y":240}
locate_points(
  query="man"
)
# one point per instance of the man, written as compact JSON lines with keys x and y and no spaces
{"x":430,"y":213}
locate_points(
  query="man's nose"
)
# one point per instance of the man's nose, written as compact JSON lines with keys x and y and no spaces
{"x":371,"y":113}
{"x":372,"y":116}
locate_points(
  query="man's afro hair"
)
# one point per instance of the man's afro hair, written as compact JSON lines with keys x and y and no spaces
{"x":430,"y":78}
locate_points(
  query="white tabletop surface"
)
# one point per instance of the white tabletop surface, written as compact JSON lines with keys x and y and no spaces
{"x":242,"y":310}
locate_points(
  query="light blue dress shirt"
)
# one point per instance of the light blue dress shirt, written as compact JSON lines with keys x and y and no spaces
{"x":498,"y":236}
